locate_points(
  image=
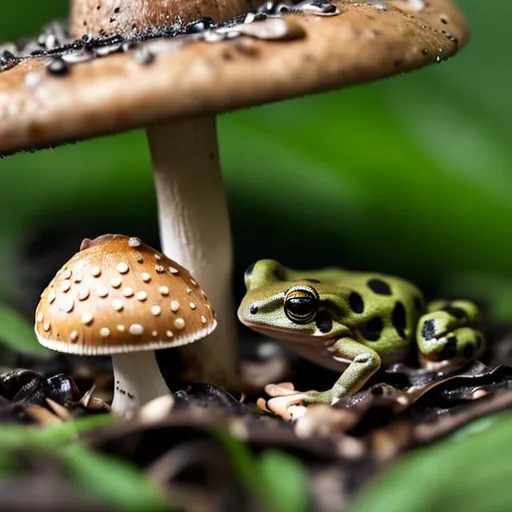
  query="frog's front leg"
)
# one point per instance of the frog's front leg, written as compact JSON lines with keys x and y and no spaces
{"x":364,"y":362}
{"x":449,"y":332}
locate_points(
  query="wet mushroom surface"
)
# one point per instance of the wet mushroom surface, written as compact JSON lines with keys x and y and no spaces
{"x":210,"y":65}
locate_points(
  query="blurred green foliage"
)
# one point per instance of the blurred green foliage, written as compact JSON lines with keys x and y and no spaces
{"x":17,"y":335}
{"x":410,"y":175}
{"x":275,"y":478}
{"x":107,"y":479}
{"x":278,"y":479}
{"x":462,"y":474}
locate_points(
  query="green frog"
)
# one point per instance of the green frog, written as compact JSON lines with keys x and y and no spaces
{"x":354,"y":322}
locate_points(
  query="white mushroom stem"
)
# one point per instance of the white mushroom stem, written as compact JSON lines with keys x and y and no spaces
{"x":195,"y":232}
{"x":137,"y":381}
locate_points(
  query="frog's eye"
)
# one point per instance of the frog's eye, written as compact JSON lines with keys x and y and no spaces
{"x":301,"y":304}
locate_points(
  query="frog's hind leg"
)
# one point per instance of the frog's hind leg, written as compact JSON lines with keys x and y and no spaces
{"x":449,"y":332}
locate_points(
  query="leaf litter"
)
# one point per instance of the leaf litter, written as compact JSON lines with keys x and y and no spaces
{"x":207,"y":449}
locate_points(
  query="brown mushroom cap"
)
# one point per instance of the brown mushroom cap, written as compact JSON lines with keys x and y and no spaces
{"x":119,"y":295}
{"x":111,"y":16}
{"x":308,"y":53}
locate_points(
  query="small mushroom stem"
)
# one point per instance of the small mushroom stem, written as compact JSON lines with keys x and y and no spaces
{"x":195,"y":232}
{"x":137,"y":381}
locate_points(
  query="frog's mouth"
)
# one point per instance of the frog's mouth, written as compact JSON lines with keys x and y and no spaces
{"x":286,"y":335}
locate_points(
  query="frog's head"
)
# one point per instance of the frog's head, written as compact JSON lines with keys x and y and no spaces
{"x":289,"y":309}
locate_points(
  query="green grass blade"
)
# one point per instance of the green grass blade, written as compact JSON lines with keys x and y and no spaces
{"x":244,"y":462}
{"x":17,"y":334}
{"x":285,"y":482}
{"x":114,"y":481}
{"x":276,"y":477}
{"x":50,"y":437}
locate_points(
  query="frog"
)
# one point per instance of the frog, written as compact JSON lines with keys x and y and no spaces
{"x":354,"y":322}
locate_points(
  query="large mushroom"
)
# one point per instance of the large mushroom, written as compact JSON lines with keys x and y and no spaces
{"x":119,"y":297}
{"x":172,"y":66}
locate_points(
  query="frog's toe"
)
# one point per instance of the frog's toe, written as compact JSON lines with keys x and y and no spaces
{"x":461,"y":345}
{"x":287,"y":407}
{"x":262,"y":404}
{"x":281,"y":389}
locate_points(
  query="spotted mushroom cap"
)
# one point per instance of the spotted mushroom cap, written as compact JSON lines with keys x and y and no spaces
{"x":119,"y":295}
{"x":118,"y":82}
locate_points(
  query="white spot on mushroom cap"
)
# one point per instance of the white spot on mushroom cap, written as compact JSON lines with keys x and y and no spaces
{"x":122,"y":267}
{"x":66,"y":274}
{"x":116,"y":282}
{"x":65,"y":286}
{"x":87,"y":318}
{"x":46,"y":326}
{"x":145,"y":277}
{"x":102,"y":291}
{"x":118,"y":305}
{"x":73,"y":336}
{"x":40,"y":317}
{"x":66,"y":305}
{"x":179,"y":323}
{"x":141,"y":296}
{"x":164,"y":290}
{"x":159,"y":269}
{"x":156,"y":310}
{"x":128,"y":291}
{"x":173,"y":270}
{"x":175,"y":305}
{"x":136,"y":329}
{"x":104,"y":332}
{"x":95,"y":271}
{"x":121,"y":328}
{"x":51,"y":296}
{"x":192,"y":305}
{"x":83,"y":293}
{"x":204,"y":320}
{"x":157,"y":257}
{"x":170,"y":334}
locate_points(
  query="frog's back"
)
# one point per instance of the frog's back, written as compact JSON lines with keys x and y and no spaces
{"x":389,"y":307}
{"x":370,"y":284}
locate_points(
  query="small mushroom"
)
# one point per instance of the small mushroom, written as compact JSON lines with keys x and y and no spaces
{"x":120,"y":297}
{"x":172,"y":66}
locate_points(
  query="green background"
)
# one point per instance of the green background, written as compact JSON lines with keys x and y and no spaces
{"x":411,"y":175}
